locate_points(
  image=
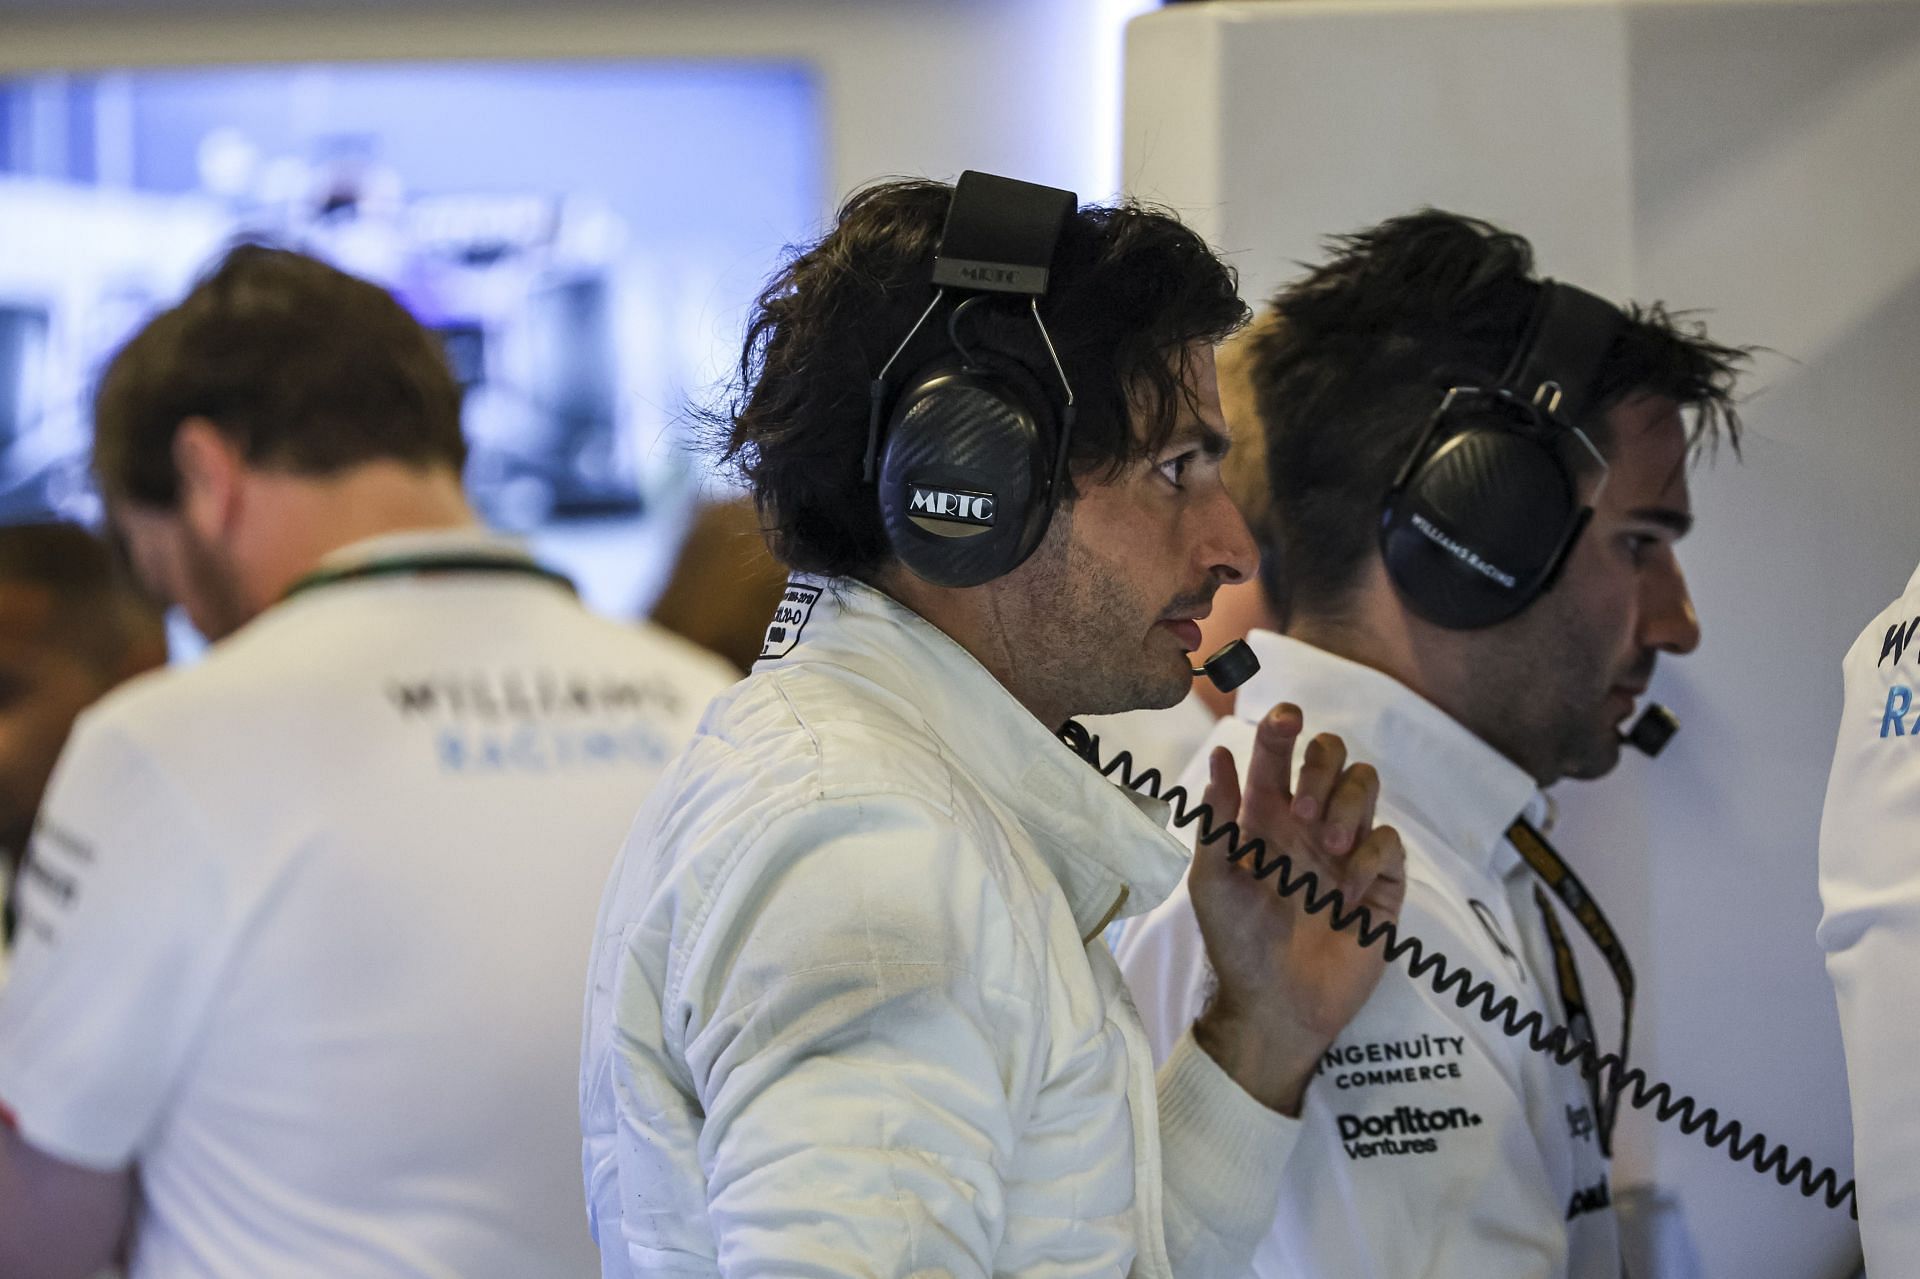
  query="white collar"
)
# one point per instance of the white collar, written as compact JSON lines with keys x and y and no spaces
{"x":1431,"y":766}
{"x":1100,"y":840}
{"x":424,"y":544}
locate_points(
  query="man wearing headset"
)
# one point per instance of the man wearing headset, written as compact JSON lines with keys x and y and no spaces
{"x":850,"y":1011}
{"x":300,"y":957}
{"x":1457,"y":615}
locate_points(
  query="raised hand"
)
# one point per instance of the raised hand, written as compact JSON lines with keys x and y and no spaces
{"x":1288,"y":982}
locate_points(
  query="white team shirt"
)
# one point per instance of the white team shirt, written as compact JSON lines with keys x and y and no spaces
{"x":1433,"y":1145}
{"x":1870,"y":922}
{"x":306,"y":925}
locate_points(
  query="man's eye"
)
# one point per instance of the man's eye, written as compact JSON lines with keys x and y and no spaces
{"x":1640,"y":546}
{"x":1174,"y":469}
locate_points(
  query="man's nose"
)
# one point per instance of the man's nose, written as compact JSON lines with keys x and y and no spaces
{"x":1227,"y":547}
{"x":1667,"y":619}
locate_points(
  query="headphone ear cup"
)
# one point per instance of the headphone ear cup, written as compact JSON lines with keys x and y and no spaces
{"x":1480,"y":528}
{"x":964,"y":482}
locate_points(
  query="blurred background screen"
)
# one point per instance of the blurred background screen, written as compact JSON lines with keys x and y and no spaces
{"x":584,"y":237}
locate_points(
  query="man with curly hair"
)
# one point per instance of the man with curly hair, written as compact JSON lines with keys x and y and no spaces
{"x":850,"y":1008}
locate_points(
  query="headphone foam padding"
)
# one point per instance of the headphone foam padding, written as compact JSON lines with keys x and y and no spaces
{"x":963,"y":482}
{"x":1479,"y":531}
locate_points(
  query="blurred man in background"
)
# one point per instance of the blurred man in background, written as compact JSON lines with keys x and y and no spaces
{"x":71,"y":627}
{"x":1477,"y":479}
{"x":302,"y":952}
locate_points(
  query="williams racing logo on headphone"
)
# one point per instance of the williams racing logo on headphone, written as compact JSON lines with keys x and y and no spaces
{"x":1465,"y":554}
{"x":949,"y":512}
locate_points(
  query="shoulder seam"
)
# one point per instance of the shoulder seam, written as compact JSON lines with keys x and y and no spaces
{"x":813,"y":738}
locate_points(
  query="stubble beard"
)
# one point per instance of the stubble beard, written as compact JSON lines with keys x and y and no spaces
{"x":1542,"y":698}
{"x":1092,"y":636}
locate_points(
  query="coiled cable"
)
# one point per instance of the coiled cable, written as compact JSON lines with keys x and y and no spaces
{"x":1452,"y":981}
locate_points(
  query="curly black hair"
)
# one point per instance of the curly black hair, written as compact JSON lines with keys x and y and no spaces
{"x":1360,"y":350}
{"x":1131,"y":288}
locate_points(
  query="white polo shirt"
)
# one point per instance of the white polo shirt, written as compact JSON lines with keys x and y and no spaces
{"x":306,"y":923}
{"x":1870,"y":922}
{"x":1433,"y":1144}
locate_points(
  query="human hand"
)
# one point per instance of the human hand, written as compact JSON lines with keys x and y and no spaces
{"x":1288,"y":982}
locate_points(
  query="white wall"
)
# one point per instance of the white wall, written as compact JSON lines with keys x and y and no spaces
{"x":1757,"y":159}
{"x":1026,"y":87}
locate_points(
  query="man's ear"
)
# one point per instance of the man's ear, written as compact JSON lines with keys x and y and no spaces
{"x":211,"y":469}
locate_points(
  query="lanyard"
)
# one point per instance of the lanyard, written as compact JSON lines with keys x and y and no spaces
{"x":468,"y":562}
{"x":1546,"y":863}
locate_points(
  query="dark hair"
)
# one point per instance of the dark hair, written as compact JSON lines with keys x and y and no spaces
{"x":102,"y":612}
{"x":304,"y":367}
{"x":1362,"y":348}
{"x":1130,"y":288}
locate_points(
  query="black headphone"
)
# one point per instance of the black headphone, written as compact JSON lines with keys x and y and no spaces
{"x":1487,"y":507}
{"x":976,"y":446}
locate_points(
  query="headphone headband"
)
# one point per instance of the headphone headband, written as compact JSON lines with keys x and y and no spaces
{"x":1000,"y":235}
{"x":1567,"y":338}
{"x":974,"y":447}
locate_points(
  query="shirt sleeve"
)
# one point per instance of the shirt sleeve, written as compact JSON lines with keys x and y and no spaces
{"x":1222,"y":1155}
{"x":1870,"y":930}
{"x":112,"y":967}
{"x":860,"y":1049}
{"x":1222,"y":1152}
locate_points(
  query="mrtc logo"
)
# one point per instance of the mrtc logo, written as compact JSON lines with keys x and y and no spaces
{"x":949,"y":506}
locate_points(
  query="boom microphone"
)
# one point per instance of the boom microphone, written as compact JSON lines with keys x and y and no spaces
{"x":1652,"y":731}
{"x":1229,"y":668}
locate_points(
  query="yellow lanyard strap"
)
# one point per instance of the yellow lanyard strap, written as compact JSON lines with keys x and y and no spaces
{"x":1558,"y":876}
